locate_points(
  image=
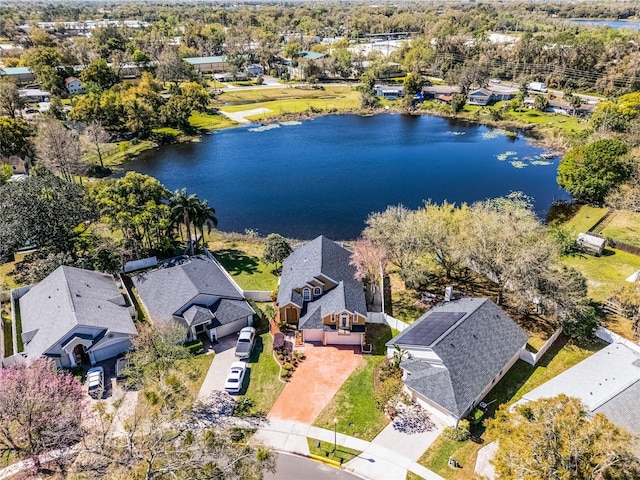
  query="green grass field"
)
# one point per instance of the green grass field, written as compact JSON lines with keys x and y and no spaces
{"x":264,"y":386}
{"x":247,"y":270}
{"x":585,"y":218}
{"x":622,"y":226}
{"x":520,"y":379}
{"x":326,"y":450}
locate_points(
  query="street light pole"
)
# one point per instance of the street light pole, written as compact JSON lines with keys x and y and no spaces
{"x":335,"y":435}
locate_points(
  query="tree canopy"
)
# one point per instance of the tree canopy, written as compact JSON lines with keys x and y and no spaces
{"x":590,"y":172}
{"x":555,"y":439}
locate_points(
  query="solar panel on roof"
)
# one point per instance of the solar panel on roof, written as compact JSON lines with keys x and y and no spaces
{"x":431,"y":328}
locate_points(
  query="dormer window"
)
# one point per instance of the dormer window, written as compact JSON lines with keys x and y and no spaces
{"x":306,"y":294}
{"x":317,"y":292}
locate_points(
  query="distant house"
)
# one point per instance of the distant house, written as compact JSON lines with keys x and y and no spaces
{"x":209,"y":64}
{"x":254,"y":70}
{"x":456,"y":353}
{"x":390,"y":92}
{"x":591,"y":243}
{"x":230,"y":77}
{"x":76,"y":316}
{"x":320,"y":296}
{"x":17,"y":164}
{"x":432,"y":91}
{"x":607,"y":382}
{"x":74,"y":85}
{"x":444,"y":99}
{"x":480,"y":96}
{"x":34,"y":95}
{"x":195,"y":292}
{"x":295,"y":68}
{"x":20,"y":75}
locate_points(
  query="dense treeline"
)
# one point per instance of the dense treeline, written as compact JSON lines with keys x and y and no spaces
{"x":447,"y":41}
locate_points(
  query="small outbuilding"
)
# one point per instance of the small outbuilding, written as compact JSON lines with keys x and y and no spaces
{"x":591,"y":243}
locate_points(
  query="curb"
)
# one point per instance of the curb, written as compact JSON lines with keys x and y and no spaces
{"x":325,"y":460}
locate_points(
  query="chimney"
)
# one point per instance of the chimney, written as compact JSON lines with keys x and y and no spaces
{"x":448,"y":293}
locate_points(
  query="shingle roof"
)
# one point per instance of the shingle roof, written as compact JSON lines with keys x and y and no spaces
{"x":195,"y":315}
{"x":321,"y":257}
{"x":166,"y":291}
{"x":624,"y":409}
{"x":69,"y":297}
{"x":473,"y":351}
{"x":227,"y":311}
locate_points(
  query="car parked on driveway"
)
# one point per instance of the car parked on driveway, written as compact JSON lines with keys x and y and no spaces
{"x":95,"y":382}
{"x":246,"y":341}
{"x":235,"y":378}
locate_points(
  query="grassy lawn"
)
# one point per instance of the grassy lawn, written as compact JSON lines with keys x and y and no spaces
{"x":264,"y":386}
{"x":564,"y":123}
{"x":520,"y":379}
{"x":585,"y":218}
{"x":413,"y":476}
{"x":623,"y":226}
{"x":290,"y":100}
{"x":607,"y":273}
{"x":354,"y":404}
{"x":6,"y":277}
{"x":194,"y":370}
{"x":210,"y":121}
{"x":326,"y":450}
{"x":7,"y":331}
{"x":247,"y":270}
{"x":116,"y":154}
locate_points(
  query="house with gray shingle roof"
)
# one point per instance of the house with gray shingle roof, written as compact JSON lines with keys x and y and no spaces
{"x":320,"y":296}
{"x":75,"y":315}
{"x":196,"y":292}
{"x":606,"y":382}
{"x":456,"y":353}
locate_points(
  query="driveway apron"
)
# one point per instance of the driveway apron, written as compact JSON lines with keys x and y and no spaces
{"x":217,"y":374}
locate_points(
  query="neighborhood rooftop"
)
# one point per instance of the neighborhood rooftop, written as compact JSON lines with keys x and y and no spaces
{"x":68,"y":298}
{"x":474,"y":339}
{"x":198,"y":275}
{"x":322,"y":257}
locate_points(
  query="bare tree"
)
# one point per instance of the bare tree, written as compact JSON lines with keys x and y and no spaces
{"x":58,"y":148}
{"x":371,"y":264}
{"x":41,"y":409}
{"x":97,"y":136}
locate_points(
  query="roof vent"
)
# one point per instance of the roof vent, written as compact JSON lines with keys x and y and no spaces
{"x":448,"y":293}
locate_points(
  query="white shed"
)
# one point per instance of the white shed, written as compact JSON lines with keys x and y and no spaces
{"x":592,"y":243}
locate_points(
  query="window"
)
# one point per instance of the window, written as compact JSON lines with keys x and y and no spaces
{"x":333,"y":318}
{"x":317,"y":291}
{"x":306,"y":294}
{"x":344,"y":320}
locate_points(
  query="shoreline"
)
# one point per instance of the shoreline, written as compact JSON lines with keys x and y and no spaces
{"x":540,"y":137}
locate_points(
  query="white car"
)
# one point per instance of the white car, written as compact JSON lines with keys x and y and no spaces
{"x":235,"y":377}
{"x":95,"y":382}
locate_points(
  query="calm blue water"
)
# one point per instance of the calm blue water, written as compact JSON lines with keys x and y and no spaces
{"x":325,"y":176}
{"x":609,"y":23}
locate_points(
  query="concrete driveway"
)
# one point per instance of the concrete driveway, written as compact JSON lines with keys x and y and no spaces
{"x":217,"y":374}
{"x":315,"y":382}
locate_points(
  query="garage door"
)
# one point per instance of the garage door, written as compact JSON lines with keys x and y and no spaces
{"x":313,"y":335}
{"x":112,"y":350}
{"x":230,"y":328}
{"x":333,"y":338}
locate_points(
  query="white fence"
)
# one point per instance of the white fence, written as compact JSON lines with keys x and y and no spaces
{"x":257,"y":295}
{"x":610,"y":337}
{"x":383,"y":318}
{"x":533,"y":358}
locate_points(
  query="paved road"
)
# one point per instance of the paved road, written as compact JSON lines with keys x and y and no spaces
{"x":291,"y":467}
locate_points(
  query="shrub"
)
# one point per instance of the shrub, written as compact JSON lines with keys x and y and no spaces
{"x":195,"y":347}
{"x":583,"y":326}
{"x":459,"y":434}
{"x":288,"y":367}
{"x":386,"y":390}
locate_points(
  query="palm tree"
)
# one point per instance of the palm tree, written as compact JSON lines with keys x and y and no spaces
{"x":205,"y":216}
{"x":183,"y":211}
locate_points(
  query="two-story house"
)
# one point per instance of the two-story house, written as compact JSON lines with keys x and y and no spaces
{"x":320,"y":296}
{"x":197,"y":293}
{"x":455,"y":354}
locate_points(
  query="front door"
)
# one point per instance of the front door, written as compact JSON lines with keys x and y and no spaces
{"x":80,"y":355}
{"x":344,"y":321}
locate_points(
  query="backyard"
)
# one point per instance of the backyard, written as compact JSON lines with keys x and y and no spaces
{"x":520,"y":379}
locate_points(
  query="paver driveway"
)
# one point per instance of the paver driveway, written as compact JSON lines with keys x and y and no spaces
{"x":315,"y":382}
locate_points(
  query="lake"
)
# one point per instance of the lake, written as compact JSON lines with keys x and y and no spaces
{"x":608,"y":23}
{"x":324,"y":176}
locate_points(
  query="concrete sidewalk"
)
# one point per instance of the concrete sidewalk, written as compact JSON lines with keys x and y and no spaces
{"x":377,"y":462}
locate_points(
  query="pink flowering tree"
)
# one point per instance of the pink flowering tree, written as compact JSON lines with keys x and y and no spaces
{"x":41,"y":409}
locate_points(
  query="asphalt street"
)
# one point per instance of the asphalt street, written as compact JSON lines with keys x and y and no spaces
{"x":291,"y":467}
